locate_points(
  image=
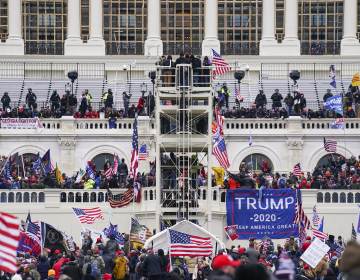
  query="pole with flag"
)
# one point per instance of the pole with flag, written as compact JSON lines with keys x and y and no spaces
{"x":221,"y":66}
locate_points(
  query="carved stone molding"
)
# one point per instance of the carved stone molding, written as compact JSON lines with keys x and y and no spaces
{"x":67,"y":143}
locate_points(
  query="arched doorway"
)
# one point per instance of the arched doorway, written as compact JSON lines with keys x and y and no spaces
{"x":257,"y":162}
{"x":101,"y":159}
{"x":326,"y":160}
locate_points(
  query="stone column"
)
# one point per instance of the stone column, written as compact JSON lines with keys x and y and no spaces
{"x":291,"y":43}
{"x":67,"y":148}
{"x":211,"y":40}
{"x":268,"y":43}
{"x":96,"y":41}
{"x":14,"y":44}
{"x":73,"y":43}
{"x":153,"y":43}
{"x":350,"y":43}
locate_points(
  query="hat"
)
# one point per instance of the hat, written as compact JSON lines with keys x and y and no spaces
{"x":221,"y":261}
{"x":57,"y":251}
{"x":107,"y":276}
{"x":51,"y":272}
{"x":242,"y":250}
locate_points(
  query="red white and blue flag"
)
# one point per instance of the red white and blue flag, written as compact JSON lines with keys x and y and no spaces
{"x":330,"y":145}
{"x":319,"y":233}
{"x":134,"y":163}
{"x":332,"y":76}
{"x":301,"y":218}
{"x":297,"y":170}
{"x":88,"y":215}
{"x":143,"y":152}
{"x":112,"y":170}
{"x":221,"y":66}
{"x":183,"y":244}
{"x":219,"y":149}
{"x":9,"y":241}
{"x":315,"y":218}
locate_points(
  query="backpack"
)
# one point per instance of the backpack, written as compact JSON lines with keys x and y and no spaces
{"x":95,"y":268}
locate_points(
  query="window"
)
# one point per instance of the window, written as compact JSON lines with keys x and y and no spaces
{"x":240,"y":26}
{"x":3,"y":20}
{"x":320,"y":197}
{"x":257,"y":162}
{"x":185,"y":19}
{"x":101,"y":159}
{"x":85,"y":19}
{"x":320,"y":26}
{"x":44,"y":26}
{"x":125,"y":26}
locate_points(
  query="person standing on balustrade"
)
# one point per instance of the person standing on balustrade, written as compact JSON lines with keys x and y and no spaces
{"x":126,"y":100}
{"x":30,"y":99}
{"x":5,"y":100}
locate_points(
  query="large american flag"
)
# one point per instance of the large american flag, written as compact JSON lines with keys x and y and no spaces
{"x":219,"y":149}
{"x":134,"y":163}
{"x":330,"y":145}
{"x":221,"y":66}
{"x":183,"y":244}
{"x":301,"y":217}
{"x":219,"y":120}
{"x":33,"y":229}
{"x":297,"y":170}
{"x":88,"y":215}
{"x":120,"y":200}
{"x":9,"y":241}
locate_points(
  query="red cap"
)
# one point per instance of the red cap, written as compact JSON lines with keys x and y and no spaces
{"x":221,"y":261}
{"x":107,"y":276}
{"x":242,"y":250}
{"x":308,"y":237}
{"x":57,"y":251}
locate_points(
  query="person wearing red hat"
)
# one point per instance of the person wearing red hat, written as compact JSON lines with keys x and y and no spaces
{"x":223,"y":267}
{"x":306,"y":244}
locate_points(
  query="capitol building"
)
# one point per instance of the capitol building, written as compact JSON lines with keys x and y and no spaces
{"x":118,"y":45}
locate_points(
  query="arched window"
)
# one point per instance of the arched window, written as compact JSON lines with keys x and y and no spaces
{"x":342,"y":198}
{"x":327,"y":197}
{"x":41,"y":197}
{"x":101,"y":159}
{"x":350,"y":198}
{"x":214,"y":195}
{"x":357,"y":198}
{"x":33,"y":197}
{"x":63,"y":197}
{"x":3,"y":197}
{"x":335,"y":197}
{"x":223,"y":197}
{"x":326,"y":160}
{"x":145,"y":195}
{"x":101,"y":197}
{"x":204,"y":195}
{"x":11,"y":197}
{"x":320,"y":197}
{"x":71,"y":197}
{"x":26,"y":197}
{"x":78,"y":197}
{"x":28,"y":159}
{"x":93,"y":197}
{"x":151,"y":195}
{"x":258,"y":162}
{"x":86,"y":197}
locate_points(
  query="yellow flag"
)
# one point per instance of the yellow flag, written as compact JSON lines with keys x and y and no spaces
{"x":219,"y":173}
{"x":356,"y":80}
{"x":58,"y":175}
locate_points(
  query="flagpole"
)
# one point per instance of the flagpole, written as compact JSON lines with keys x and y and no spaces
{"x":23,"y":165}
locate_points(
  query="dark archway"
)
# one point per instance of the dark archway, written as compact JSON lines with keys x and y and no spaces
{"x":255,"y":162}
{"x":101,"y":159}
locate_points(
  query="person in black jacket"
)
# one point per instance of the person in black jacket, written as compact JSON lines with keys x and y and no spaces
{"x":196,"y":66}
{"x":150,"y":103}
{"x":260,"y":100}
{"x":55,"y":101}
{"x":289,"y":101}
{"x":206,"y":72}
{"x":152,"y":266}
{"x":43,"y":267}
{"x":72,"y":269}
{"x":109,"y":99}
{"x":327,"y":95}
{"x":5,"y":100}
{"x":276,"y":99}
{"x":30,"y":99}
{"x":83,"y":105}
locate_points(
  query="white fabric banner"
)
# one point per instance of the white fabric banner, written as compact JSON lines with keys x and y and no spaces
{"x":20,"y":123}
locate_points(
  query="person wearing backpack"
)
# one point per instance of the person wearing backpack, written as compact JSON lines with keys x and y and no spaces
{"x":97,"y":265}
{"x":121,"y":267}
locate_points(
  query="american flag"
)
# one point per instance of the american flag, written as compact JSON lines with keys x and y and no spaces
{"x":143,"y":152}
{"x":330,"y":145}
{"x":120,"y":200}
{"x":297,"y":170}
{"x":134,"y":163}
{"x":219,"y":149}
{"x":112,"y":170}
{"x":302,"y":233}
{"x":9,"y":241}
{"x":237,"y":95}
{"x":33,"y":229}
{"x":319,"y":233}
{"x":88,"y":215}
{"x":300,"y":217}
{"x":221,"y":66}
{"x":90,"y":172}
{"x":231,"y":232}
{"x":183,"y":244}
{"x":112,"y":230}
{"x":353,"y":233}
{"x":315,"y":218}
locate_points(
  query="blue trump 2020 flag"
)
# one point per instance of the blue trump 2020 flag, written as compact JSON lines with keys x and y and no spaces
{"x":272,"y":214}
{"x":334,"y":104}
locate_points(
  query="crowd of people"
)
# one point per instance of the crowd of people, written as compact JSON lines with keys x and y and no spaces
{"x":336,"y":173}
{"x":261,"y":260}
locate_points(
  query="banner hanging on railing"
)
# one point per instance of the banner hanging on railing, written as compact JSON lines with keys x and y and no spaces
{"x":20,"y":123}
{"x":265,"y":213}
